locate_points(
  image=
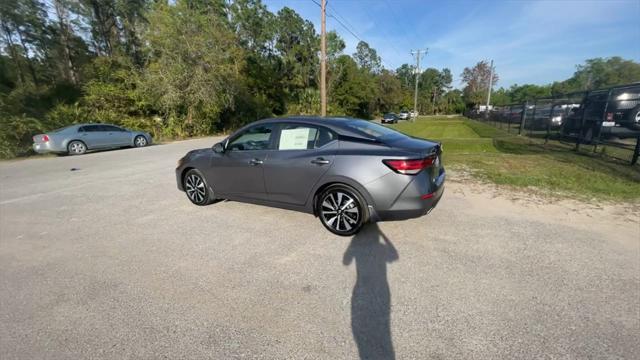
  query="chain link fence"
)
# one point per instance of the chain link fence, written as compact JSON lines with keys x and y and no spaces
{"x":606,"y":119}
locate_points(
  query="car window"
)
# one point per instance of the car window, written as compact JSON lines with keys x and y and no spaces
{"x":91,"y":128}
{"x":111,"y":128}
{"x":62,"y":129}
{"x":373,"y":130}
{"x":625,"y":98}
{"x":303,"y":137}
{"x":254,"y":138}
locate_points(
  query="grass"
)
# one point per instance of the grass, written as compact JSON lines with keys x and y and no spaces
{"x":507,"y":159}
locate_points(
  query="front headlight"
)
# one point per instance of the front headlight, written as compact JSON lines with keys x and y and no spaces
{"x":556,"y":119}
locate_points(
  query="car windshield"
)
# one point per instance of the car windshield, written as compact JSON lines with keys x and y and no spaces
{"x":373,"y":130}
{"x":388,"y":116}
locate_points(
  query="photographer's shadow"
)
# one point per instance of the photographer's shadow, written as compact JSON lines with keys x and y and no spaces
{"x":371,"y":298}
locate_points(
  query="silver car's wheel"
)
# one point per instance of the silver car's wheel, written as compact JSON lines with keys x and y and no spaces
{"x":140,"y":141}
{"x":341,"y":210}
{"x":76,"y":148}
{"x":196,"y":188}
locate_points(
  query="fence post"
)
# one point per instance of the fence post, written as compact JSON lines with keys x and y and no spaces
{"x":584,"y":107}
{"x":509,"y":120}
{"x":535,"y":108}
{"x":546,"y":139}
{"x":523,"y":116}
{"x":636,"y":152}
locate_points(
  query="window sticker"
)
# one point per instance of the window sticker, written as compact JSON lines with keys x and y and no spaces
{"x":294,"y":139}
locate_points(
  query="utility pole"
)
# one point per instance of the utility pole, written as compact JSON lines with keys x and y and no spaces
{"x":418,"y":54}
{"x":323,"y":60}
{"x":489,"y":91}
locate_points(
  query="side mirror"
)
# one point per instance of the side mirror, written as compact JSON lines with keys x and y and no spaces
{"x":219,"y":148}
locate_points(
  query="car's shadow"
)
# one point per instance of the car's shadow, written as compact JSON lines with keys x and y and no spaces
{"x":98,"y":151}
{"x":371,"y":298}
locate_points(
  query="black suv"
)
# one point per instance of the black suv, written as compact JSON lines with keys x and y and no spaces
{"x":611,"y":112}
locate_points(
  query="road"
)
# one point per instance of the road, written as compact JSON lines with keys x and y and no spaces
{"x":110,"y":261}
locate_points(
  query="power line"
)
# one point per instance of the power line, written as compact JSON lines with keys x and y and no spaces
{"x":386,"y":33}
{"x":347,"y":28}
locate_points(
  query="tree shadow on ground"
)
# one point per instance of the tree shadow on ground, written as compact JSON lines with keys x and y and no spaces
{"x":371,"y":298}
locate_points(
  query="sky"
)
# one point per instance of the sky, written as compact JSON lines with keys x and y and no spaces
{"x":530,"y":42}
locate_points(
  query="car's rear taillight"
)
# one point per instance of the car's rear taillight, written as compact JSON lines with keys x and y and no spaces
{"x":41,"y":138}
{"x":410,"y":167}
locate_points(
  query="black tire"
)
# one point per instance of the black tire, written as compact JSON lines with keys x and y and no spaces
{"x":350,"y":209}
{"x":140,"y":141}
{"x":76,"y":147}
{"x":634,"y":117}
{"x":196,"y":188}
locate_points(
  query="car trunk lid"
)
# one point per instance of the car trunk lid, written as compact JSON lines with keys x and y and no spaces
{"x":421,"y":147}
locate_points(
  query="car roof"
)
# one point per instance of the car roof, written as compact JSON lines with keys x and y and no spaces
{"x":336,"y":123}
{"x":95,"y":124}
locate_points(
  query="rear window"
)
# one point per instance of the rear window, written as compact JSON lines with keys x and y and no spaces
{"x":62,"y":129}
{"x":373,"y":130}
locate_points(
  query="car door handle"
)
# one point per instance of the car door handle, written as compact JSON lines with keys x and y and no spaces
{"x":255,"y":162}
{"x":320,"y":161}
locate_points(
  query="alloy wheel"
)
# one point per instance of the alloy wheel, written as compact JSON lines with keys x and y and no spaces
{"x":77,"y":148}
{"x":340,"y":211}
{"x":195,"y":188}
{"x":141,"y":141}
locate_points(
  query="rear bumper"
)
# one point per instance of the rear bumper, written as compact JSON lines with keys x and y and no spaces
{"x":48,"y":147}
{"x":412,"y":204}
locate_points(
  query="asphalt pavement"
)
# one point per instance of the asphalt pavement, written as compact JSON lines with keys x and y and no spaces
{"x":102,"y":257}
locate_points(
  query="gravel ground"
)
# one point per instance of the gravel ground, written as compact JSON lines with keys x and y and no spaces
{"x":111,"y":261}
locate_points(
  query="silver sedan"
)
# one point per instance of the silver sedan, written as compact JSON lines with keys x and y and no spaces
{"x":78,"y":139}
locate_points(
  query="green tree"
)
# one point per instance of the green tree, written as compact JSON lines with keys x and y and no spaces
{"x":599,"y":73}
{"x":195,"y":66}
{"x":389,"y":92}
{"x":367,"y":58}
{"x":406,"y":75}
{"x":297,"y":44}
{"x":354,"y":91}
{"x":476,"y":80}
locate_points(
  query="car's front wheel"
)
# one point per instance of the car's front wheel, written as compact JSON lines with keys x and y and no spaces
{"x":342,"y":210}
{"x":140,"y":141}
{"x":196,"y":188}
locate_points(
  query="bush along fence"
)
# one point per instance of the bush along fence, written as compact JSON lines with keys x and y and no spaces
{"x":609,"y":118}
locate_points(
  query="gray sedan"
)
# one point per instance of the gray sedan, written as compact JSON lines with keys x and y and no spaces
{"x":78,"y":139}
{"x":345,"y":171}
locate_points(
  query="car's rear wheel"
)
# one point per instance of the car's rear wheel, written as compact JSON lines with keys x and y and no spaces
{"x":342,"y":210}
{"x":634,"y":117}
{"x":76,"y":148}
{"x":140,"y":141}
{"x":196,"y":188}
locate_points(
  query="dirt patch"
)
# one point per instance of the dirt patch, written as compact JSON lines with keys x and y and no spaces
{"x":549,"y":207}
